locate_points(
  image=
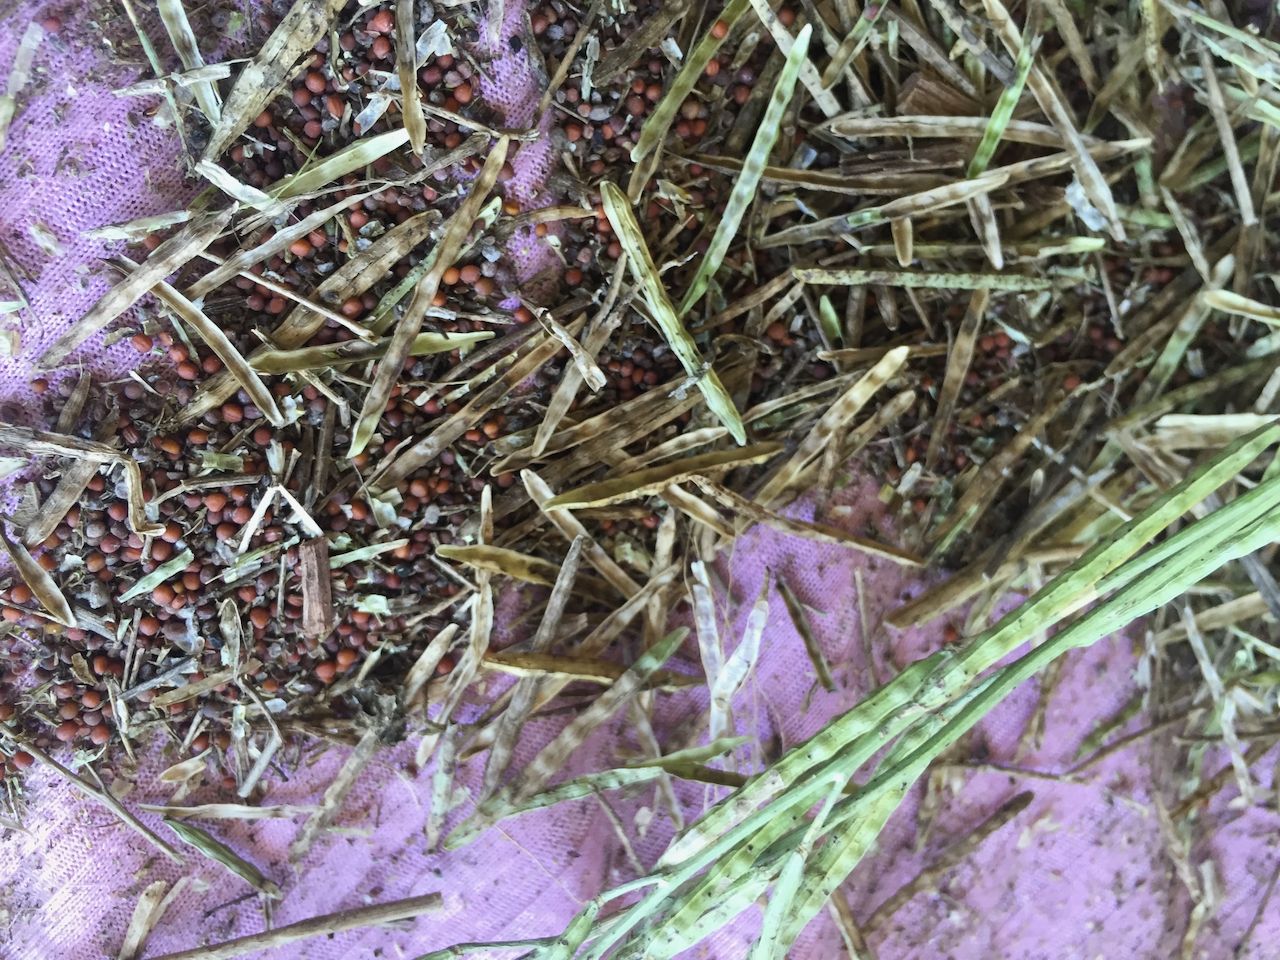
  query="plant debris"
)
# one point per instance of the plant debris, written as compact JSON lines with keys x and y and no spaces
{"x":1014,"y":261}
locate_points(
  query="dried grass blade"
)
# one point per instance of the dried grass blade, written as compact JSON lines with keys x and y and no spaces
{"x":305,"y":23}
{"x":455,"y":235}
{"x":336,"y":793}
{"x":357,"y":351}
{"x":1229,"y":302}
{"x":164,"y":260}
{"x":800,"y":620}
{"x":853,"y":276}
{"x":430,"y":446}
{"x":222,"y":347}
{"x":322,"y":926}
{"x":43,"y":587}
{"x":820,"y":532}
{"x":174,"y":16}
{"x":349,"y":159}
{"x":278,"y":242}
{"x":748,"y":182}
{"x":1046,"y":94}
{"x":958,"y":361}
{"x":415,"y":123}
{"x":146,"y":914}
{"x":220,"y":853}
{"x":555,"y":754}
{"x":836,"y":416}
{"x":644,"y":483}
{"x":623,"y":221}
{"x":659,"y":121}
{"x":573,"y":530}
{"x":738,"y":666}
{"x":526,"y":690}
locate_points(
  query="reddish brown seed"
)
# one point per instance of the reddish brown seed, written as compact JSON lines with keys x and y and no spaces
{"x":6,"y":711}
{"x":69,"y":710}
{"x":263,"y":120}
{"x":786,"y":16}
{"x":326,"y":671}
{"x":67,"y":730}
{"x":720,"y":29}
{"x":383,"y":21}
{"x":232,"y":413}
{"x":335,"y":105}
{"x":20,"y":593}
{"x":260,"y":617}
{"x":200,"y":744}
{"x":215,"y":500}
{"x":99,"y":734}
{"x":301,"y":247}
{"x":380,"y":48}
{"x":315,"y":82}
{"x":445,"y":666}
{"x":462,"y":93}
{"x":451,"y":276}
{"x":469,"y":274}
{"x":188,"y":370}
{"x":163,"y":595}
{"x":225,"y":531}
{"x":352,"y":307}
{"x":346,"y":658}
{"x":22,"y":760}
{"x":301,"y":97}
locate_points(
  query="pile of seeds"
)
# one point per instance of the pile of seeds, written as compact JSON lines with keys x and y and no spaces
{"x":945,"y":243}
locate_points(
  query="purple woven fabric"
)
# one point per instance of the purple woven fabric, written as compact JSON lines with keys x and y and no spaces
{"x":1081,"y":873}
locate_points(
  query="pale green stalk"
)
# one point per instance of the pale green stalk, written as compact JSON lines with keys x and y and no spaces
{"x":744,"y":188}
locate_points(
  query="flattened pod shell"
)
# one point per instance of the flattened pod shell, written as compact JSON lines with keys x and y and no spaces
{"x":744,"y":188}
{"x":646,"y":274}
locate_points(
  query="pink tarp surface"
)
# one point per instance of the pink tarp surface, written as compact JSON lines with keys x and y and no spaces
{"x":1081,"y":873}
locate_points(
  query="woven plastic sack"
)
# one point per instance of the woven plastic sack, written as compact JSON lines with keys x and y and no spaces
{"x":1081,"y":873}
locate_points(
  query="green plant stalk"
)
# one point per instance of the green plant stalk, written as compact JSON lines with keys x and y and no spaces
{"x":744,"y":188}
{"x":1004,"y":108}
{"x":895,"y":707}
